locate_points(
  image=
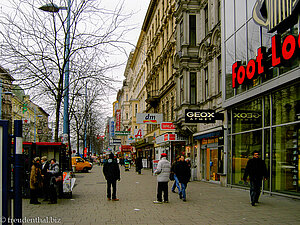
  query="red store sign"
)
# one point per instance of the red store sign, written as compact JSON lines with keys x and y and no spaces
{"x":280,"y":55}
{"x":167,"y":126}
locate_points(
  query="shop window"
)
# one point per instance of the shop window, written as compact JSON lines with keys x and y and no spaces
{"x":285,"y":159}
{"x":286,"y":105}
{"x":242,"y":147}
{"x":247,"y":116}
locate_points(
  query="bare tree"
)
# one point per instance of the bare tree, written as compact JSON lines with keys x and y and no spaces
{"x":33,"y":46}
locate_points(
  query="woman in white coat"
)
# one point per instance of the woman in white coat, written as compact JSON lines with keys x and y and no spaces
{"x":163,"y":172}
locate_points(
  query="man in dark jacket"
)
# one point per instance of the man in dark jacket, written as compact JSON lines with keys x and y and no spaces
{"x":256,"y":170}
{"x":46,"y":178}
{"x":111,"y":172}
{"x":139,"y":165}
{"x":183,"y":173}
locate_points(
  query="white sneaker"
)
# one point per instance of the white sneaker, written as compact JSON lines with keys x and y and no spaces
{"x":157,"y":202}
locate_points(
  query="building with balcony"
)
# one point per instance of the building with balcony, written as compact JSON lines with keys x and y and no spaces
{"x":198,"y":85}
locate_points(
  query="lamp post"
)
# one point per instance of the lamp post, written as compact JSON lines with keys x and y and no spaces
{"x":54,"y":8}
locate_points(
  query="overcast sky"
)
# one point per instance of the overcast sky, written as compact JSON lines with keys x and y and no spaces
{"x":139,"y":9}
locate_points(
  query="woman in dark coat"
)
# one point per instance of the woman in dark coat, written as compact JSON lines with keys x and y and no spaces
{"x":35,"y":181}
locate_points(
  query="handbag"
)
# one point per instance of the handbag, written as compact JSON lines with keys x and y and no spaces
{"x":171,"y":177}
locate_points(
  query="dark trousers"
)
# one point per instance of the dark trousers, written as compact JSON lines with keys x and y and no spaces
{"x":46,"y":184}
{"x":162,"y":187}
{"x":52,"y":193}
{"x":255,"y":187}
{"x":113,"y":184}
{"x":33,"y":196}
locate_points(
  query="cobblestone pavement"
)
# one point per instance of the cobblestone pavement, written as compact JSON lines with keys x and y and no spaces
{"x":206,"y":204}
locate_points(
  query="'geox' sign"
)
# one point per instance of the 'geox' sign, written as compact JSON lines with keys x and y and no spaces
{"x":201,"y":116}
{"x":276,"y":14}
{"x":247,"y":116}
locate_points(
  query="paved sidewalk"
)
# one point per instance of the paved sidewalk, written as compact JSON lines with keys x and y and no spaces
{"x":206,"y":204}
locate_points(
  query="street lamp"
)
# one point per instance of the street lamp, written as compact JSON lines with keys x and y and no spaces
{"x":54,"y":8}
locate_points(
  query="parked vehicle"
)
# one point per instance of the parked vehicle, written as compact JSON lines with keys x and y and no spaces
{"x":80,"y":164}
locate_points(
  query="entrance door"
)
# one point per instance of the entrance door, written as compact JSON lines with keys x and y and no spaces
{"x":212,"y":164}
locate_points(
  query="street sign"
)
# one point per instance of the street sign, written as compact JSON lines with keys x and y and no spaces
{"x":122,"y":133}
{"x":115,"y":141}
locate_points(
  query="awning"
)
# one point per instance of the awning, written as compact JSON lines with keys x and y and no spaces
{"x":209,"y":133}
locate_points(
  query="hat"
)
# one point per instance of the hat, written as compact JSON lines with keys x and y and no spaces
{"x":36,"y":159}
{"x":163,"y":154}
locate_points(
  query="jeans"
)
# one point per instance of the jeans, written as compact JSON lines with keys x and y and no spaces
{"x":183,"y":188}
{"x":162,"y":187}
{"x":176,"y":184}
{"x":255,"y":187}
{"x":112,"y":183}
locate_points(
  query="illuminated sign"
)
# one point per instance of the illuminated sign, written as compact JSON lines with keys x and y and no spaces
{"x":281,"y":53}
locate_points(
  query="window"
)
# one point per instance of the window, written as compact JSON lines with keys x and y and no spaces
{"x":206,"y":19}
{"x":193,"y":88}
{"x":136,"y":109}
{"x":219,"y":10}
{"x":163,"y":111}
{"x":172,"y":108}
{"x":181,"y":34}
{"x":167,"y":111}
{"x":126,"y":116}
{"x":219,"y":74}
{"x":206,"y":83}
{"x":192,"y":23}
{"x":181,"y":90}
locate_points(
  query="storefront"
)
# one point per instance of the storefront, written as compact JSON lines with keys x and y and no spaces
{"x":211,"y":154}
{"x":172,"y":144}
{"x":262,"y":90}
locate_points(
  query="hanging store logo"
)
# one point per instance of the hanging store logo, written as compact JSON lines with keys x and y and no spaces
{"x":276,"y":14}
{"x":281,"y":54}
{"x":149,"y":118}
{"x":199,"y":116}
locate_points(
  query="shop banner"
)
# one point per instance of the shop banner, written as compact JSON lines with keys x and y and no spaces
{"x":118,"y":120}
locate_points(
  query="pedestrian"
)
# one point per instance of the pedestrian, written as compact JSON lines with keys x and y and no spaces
{"x":35,"y":180}
{"x":45,"y":176}
{"x":53,"y":175}
{"x":176,"y":181}
{"x":163,"y":172}
{"x":111,"y":172}
{"x":139,"y":165}
{"x":257,"y":171}
{"x":183,"y":173}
